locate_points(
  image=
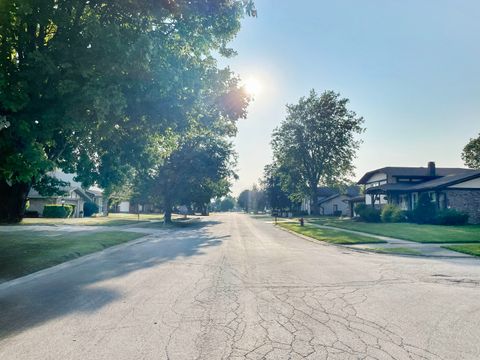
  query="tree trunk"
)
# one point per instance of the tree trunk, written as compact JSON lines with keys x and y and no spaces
{"x":13,"y":200}
{"x":204,"y":210}
{"x":314,"y":208}
{"x":167,"y":217}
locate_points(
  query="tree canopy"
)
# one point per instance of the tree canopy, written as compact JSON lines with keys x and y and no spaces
{"x":471,"y":153}
{"x":98,"y":87}
{"x":316,"y":144}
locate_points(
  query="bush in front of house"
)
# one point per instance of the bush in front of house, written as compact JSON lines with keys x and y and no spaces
{"x":426,"y":210}
{"x":451,"y":217}
{"x":31,"y":214}
{"x":367,"y":213}
{"x":392,"y":214}
{"x":57,"y":211}
{"x":90,"y":208}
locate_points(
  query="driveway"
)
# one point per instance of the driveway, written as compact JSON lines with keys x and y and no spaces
{"x":238,"y":288}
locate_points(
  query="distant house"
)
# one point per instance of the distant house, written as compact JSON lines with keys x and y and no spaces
{"x":73,"y":195}
{"x":332,"y":201}
{"x":455,"y":188}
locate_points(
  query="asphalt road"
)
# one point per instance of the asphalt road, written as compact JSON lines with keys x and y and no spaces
{"x":238,"y":288}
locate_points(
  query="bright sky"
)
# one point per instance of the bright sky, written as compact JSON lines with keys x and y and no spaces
{"x":411,"y":68}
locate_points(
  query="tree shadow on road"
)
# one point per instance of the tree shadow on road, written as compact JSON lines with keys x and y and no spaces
{"x":79,"y":289}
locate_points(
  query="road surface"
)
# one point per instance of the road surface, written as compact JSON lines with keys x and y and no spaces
{"x":238,"y":288}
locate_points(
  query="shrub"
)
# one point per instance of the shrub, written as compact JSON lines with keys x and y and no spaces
{"x":392,"y":214}
{"x":337,"y":213}
{"x":31,"y":214}
{"x":426,"y":210}
{"x":367,"y":213}
{"x":57,"y":211}
{"x":90,"y":208}
{"x":451,"y":217}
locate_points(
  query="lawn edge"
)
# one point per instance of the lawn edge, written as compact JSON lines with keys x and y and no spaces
{"x":367,"y":251}
{"x":448,"y":247}
{"x":346,"y":244}
{"x":70,"y":263}
{"x":386,"y":236}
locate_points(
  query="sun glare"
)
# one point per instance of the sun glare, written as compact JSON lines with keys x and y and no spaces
{"x":252,"y":86}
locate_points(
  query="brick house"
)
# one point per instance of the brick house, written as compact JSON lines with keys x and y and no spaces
{"x":455,"y":188}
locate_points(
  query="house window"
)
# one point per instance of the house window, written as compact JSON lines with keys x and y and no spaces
{"x":414,"y":199}
{"x":442,"y":203}
{"x":335,"y":208}
{"x":403,"y":202}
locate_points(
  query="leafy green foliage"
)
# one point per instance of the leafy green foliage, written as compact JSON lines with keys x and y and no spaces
{"x":97,"y":88}
{"x":90,"y":208}
{"x":227,"y":204}
{"x":391,"y":214}
{"x":471,"y":153}
{"x":367,"y":213}
{"x":451,"y":217}
{"x":276,"y":197}
{"x":425,"y":211}
{"x":57,"y":211}
{"x":243,"y":201}
{"x":316,"y":144}
{"x":197,"y":171}
{"x":253,"y":199}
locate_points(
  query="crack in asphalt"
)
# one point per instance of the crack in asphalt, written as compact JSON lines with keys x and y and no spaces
{"x":239,"y":289}
{"x":289,"y":321}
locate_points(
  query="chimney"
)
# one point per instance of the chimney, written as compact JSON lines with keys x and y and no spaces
{"x":431,"y":168}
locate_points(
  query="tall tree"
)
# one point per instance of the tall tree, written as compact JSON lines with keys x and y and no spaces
{"x":317,"y":143}
{"x":197,"y":171}
{"x":471,"y":153}
{"x":85,"y":85}
{"x":243,"y":200}
{"x":227,"y":204}
{"x":276,"y":196}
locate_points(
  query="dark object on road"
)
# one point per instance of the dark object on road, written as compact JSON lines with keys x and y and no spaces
{"x":301,"y":221}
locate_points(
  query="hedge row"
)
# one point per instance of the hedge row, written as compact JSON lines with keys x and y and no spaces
{"x":58,"y":211}
{"x":425,"y":212}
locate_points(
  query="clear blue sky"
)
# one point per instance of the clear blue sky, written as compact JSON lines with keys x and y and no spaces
{"x":411,"y":68}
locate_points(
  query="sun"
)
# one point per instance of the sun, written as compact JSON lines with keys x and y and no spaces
{"x":252,"y":86}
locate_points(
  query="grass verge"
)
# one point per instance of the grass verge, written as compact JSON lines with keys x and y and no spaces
{"x":407,"y":231}
{"x":24,"y":252}
{"x":330,"y":236}
{"x":396,"y":250}
{"x":470,"y":249}
{"x":110,"y":220}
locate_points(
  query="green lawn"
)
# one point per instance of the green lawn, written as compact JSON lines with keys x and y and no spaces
{"x":110,"y":220}
{"x":407,"y":231}
{"x":396,"y":250}
{"x":471,"y":249}
{"x":327,"y":235}
{"x":23,"y":252}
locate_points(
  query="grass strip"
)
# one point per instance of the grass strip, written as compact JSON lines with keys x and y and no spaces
{"x":396,"y":250}
{"x":435,"y":234}
{"x":328,"y":235}
{"x":110,"y":220}
{"x":470,"y":249}
{"x":24,"y":252}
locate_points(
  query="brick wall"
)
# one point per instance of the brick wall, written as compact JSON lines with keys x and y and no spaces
{"x":467,"y":201}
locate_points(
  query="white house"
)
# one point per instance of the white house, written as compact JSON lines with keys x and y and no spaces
{"x":74,"y":195}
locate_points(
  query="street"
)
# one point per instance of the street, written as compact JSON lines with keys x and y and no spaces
{"x":239,"y":288}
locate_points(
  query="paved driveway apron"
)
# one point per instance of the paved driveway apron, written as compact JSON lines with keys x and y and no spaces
{"x":237,"y":288}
